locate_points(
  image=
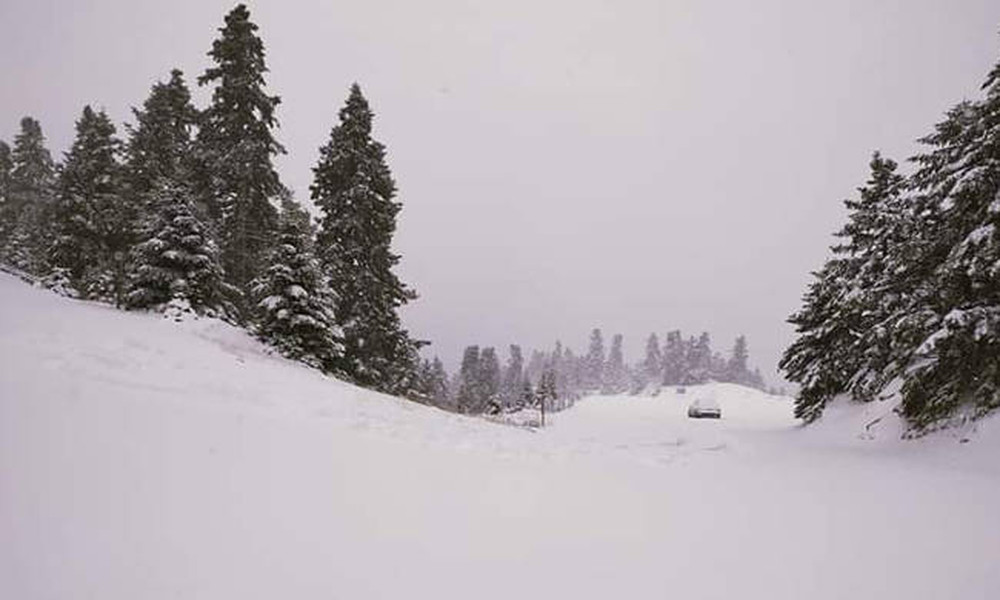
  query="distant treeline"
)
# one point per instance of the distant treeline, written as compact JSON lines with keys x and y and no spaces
{"x":908,"y":306}
{"x":559,"y":377}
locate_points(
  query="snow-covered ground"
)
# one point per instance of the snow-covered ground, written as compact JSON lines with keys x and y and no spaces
{"x":144,"y":458}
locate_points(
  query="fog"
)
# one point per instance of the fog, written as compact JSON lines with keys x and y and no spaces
{"x":563,"y":165}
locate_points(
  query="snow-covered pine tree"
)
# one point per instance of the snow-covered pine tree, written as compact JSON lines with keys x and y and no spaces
{"x":842,"y":326}
{"x":810,"y":360}
{"x":489,"y":382}
{"x":159,"y":147}
{"x":290,"y":210}
{"x":593,"y":375}
{"x":30,"y":199}
{"x":615,"y":374}
{"x":354,"y":190}
{"x":160,"y":143}
{"x":513,"y":374}
{"x":176,"y":266}
{"x":700,"y":360}
{"x":674,"y":367}
{"x":957,"y":309}
{"x":95,"y":223}
{"x":235,"y":149}
{"x":548,"y":389}
{"x":293,"y":306}
{"x":872,"y":239}
{"x":536,"y":364}
{"x":422,"y":389}
{"x":467,"y":393}
{"x":652,"y":365}
{"x":527,"y":399}
{"x":569,"y":380}
{"x":737,"y":369}
{"x":438,"y":383}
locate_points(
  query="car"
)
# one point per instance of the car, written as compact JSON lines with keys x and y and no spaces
{"x":705,"y":408}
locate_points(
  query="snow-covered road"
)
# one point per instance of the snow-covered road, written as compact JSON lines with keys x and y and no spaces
{"x":141,"y":458}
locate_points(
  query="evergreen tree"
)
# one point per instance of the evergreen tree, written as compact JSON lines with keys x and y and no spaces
{"x":615,"y":375}
{"x":841,"y":326}
{"x":912,"y":293}
{"x":30,"y":198}
{"x":809,"y":361}
{"x":674,"y":363}
{"x":737,"y":370}
{"x":236,"y":148}
{"x":536,"y":364}
{"x":548,"y":390}
{"x":294,"y":310}
{"x":593,"y":376}
{"x":513,"y":375}
{"x":652,"y":364}
{"x":467,"y":394}
{"x":527,"y":398}
{"x":94,"y":222}
{"x":354,"y":190}
{"x":177,"y":264}
{"x":569,"y":377}
{"x":489,"y":381}
{"x":160,"y":144}
{"x":699,"y":360}
{"x":956,"y":310}
{"x":292,"y":211}
{"x":438,"y":382}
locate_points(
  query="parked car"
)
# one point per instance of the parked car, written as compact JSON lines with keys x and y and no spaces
{"x":705,"y":408}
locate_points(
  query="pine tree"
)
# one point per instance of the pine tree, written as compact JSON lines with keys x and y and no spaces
{"x":30,"y":198}
{"x":547,"y":394}
{"x":842,"y":326}
{"x":527,"y":398}
{"x":439,"y":382}
{"x":737,"y":370}
{"x":95,"y":223}
{"x":354,"y":190}
{"x":489,"y":382}
{"x":615,"y":375}
{"x":700,"y":360}
{"x":593,"y":376}
{"x":513,"y":375}
{"x":569,"y":377}
{"x":652,"y":364}
{"x":674,"y":363}
{"x":294,"y":309}
{"x":236,"y":148}
{"x":809,"y":361}
{"x":467,"y":394}
{"x":957,"y":309}
{"x":160,"y":144}
{"x":177,"y":265}
{"x":292,"y":211}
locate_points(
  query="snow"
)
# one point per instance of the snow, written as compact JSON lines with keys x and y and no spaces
{"x":146,"y":458}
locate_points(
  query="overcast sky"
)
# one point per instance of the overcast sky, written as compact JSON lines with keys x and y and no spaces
{"x":633,"y":165}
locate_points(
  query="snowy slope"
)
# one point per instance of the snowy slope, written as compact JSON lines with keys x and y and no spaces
{"x":142,"y":458}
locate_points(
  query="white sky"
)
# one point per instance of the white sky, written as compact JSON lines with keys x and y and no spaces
{"x":633,"y":165}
